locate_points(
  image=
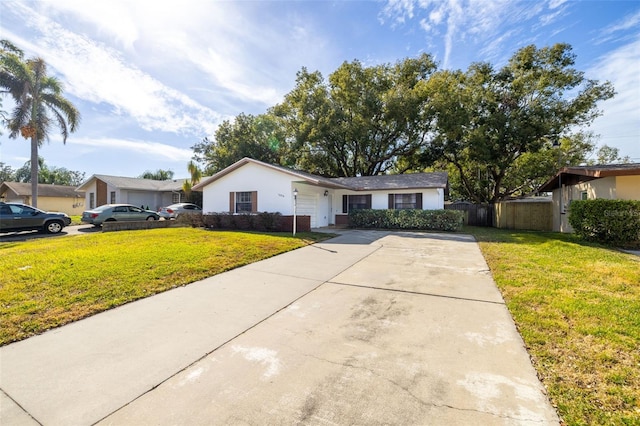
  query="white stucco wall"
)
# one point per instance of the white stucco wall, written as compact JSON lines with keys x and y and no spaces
{"x":274,"y":189}
{"x":432,"y":198}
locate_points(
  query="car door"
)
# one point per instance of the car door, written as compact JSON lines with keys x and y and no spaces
{"x":25,"y":216}
{"x":136,"y":213}
{"x":121,"y":213}
{"x":6,"y":218}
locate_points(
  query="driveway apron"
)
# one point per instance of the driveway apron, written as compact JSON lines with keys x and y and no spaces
{"x":366,"y":328}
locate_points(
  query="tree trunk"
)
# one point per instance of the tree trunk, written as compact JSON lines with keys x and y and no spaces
{"x":34,"y":171}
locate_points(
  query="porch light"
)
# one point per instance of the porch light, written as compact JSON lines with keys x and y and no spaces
{"x":326,"y":192}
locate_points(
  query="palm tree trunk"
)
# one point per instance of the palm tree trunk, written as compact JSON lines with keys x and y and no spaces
{"x":34,"y":171}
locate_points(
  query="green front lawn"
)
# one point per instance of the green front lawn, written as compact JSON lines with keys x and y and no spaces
{"x":577,"y":307}
{"x":46,"y":283}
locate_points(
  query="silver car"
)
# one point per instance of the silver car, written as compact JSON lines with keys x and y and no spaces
{"x":175,"y":210}
{"x":117,"y":212}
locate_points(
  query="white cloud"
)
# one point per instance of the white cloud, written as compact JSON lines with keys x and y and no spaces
{"x":152,"y":150}
{"x":630,"y":21}
{"x":99,"y":74}
{"x":488,"y":24}
{"x":239,"y":50}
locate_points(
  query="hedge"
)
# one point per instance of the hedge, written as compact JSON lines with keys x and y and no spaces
{"x":613,"y":222}
{"x":432,"y":220}
{"x":255,"y":222}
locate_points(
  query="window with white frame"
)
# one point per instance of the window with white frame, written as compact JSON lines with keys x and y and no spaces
{"x":243,"y":202}
{"x":355,"y":202}
{"x":405,"y":201}
{"x":113,"y":197}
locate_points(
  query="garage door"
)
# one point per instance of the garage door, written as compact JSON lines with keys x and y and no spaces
{"x":307,"y":207}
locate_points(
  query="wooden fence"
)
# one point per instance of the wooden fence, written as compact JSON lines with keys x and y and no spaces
{"x":528,"y":214}
{"x":474,"y":214}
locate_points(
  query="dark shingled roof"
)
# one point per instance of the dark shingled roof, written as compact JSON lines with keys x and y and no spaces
{"x":44,"y":190}
{"x":385,"y":182}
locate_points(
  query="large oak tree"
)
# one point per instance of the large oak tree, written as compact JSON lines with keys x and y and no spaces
{"x":496,"y":127}
{"x":361,"y":120}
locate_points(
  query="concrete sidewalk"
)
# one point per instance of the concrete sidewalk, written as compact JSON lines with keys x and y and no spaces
{"x":367,"y":328}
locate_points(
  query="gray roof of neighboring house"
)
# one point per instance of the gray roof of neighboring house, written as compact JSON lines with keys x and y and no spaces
{"x":44,"y":190}
{"x":137,"y":183}
{"x":586,"y":173}
{"x":362,"y":183}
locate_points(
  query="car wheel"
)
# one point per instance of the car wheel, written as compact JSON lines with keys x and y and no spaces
{"x":151,"y":218}
{"x":53,"y":227}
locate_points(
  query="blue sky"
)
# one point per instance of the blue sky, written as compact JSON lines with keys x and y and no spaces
{"x":153,"y":78}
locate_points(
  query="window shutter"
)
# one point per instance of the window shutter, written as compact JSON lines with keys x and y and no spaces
{"x":345,"y":203}
{"x":419,"y":200}
{"x":254,"y":201}
{"x":391,"y":206}
{"x":232,"y":202}
{"x":368,"y":198}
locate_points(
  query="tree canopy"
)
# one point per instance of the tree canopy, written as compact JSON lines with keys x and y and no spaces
{"x":496,"y":126}
{"x":498,"y":131}
{"x":159,"y":174}
{"x":46,"y":174}
{"x":260,"y":137}
{"x":359,"y":122}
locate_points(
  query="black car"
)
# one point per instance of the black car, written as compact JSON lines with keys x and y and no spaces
{"x":20,"y":217}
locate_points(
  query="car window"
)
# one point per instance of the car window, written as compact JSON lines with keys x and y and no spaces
{"x":5,"y":210}
{"x":120,"y":209}
{"x":188,"y":207}
{"x":135,"y":209}
{"x":21,"y":210}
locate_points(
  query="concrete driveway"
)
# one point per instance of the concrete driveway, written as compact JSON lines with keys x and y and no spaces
{"x":367,"y":328}
{"x":32,"y":235}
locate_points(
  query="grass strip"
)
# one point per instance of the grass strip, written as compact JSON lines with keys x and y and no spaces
{"x":49,"y":282}
{"x":577,"y":307}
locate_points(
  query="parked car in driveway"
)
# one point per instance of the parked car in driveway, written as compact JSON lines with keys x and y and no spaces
{"x":117,"y":212}
{"x":20,"y":217}
{"x":175,"y":210}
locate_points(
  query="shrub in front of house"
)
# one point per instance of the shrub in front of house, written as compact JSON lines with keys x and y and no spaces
{"x":613,"y":222}
{"x":431,"y":220}
{"x":246,"y":222}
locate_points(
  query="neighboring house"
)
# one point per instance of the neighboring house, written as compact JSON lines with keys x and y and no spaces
{"x":253,"y":186}
{"x":612,"y":181}
{"x":104,"y":189}
{"x":57,"y":198}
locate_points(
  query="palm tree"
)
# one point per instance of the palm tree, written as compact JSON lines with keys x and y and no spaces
{"x":196,"y":175}
{"x":39,"y":104}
